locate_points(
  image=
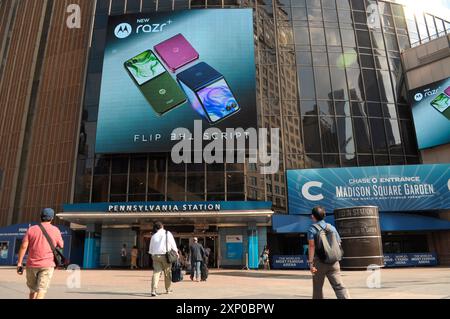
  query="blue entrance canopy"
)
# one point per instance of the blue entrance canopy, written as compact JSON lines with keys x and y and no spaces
{"x":388,"y":222}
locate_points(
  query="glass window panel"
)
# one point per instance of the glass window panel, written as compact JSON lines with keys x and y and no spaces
{"x":358,"y":5}
{"x":362,"y":135}
{"x":299,"y":14}
{"x":298,"y":3}
{"x":311,"y":134}
{"x":409,"y":138}
{"x":360,"y":17}
{"x":431,"y":27}
{"x":308,"y":107}
{"x":348,"y":160}
{"x":137,"y":183}
{"x":329,"y":4}
{"x":377,"y":40}
{"x":304,"y":58}
{"x":374,"y":109}
{"x":363,"y":38}
{"x":381,"y":62}
{"x":330,"y":15}
{"x":366,"y":61}
{"x":403,"y":42}
{"x":348,"y":38}
{"x":314,"y":14}
{"x":397,"y":10}
{"x":215,"y":182}
{"x":136,"y":198}
{"x":307,"y":88}
{"x":133,"y":6}
{"x":344,"y":4}
{"x":339,"y":84}
{"x":381,"y":160}
{"x":440,"y":26}
{"x":345,"y":16}
{"x":175,"y":183}
{"x":235,"y":183}
{"x":358,"y":109}
{"x":326,"y":107}
{"x":331,"y":161}
{"x":342,"y":108}
{"x":329,"y":134}
{"x":120,"y":165}
{"x":384,"y":81}
{"x":196,"y":182}
{"x":423,"y":33}
{"x":301,"y":36}
{"x":397,"y":160}
{"x":365,"y":160}
{"x":393,"y":136}
{"x":320,"y":58}
{"x":345,"y":135}
{"x":378,"y":136}
{"x":100,"y":187}
{"x":400,"y":23}
{"x":138,"y":165}
{"x":370,"y":84}
{"x":322,"y":82}
{"x":317,"y":36}
{"x":355,"y":84}
{"x":119,"y":184}
{"x":102,"y":166}
{"x":384,"y":8}
{"x":156,"y":183}
{"x":118,"y":198}
{"x":388,"y":23}
{"x":313,"y":161}
{"x":391,"y":42}
{"x":313,"y":4}
{"x":333,"y":37}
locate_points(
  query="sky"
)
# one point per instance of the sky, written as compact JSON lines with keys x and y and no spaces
{"x":440,"y":8}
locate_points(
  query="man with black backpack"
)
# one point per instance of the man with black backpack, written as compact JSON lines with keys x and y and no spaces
{"x":325,"y":252}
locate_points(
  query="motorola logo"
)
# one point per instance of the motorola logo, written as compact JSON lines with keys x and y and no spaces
{"x":418,"y":97}
{"x":123,"y":30}
{"x":162,"y":91}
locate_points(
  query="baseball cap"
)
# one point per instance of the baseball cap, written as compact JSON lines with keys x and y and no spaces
{"x":47,"y":214}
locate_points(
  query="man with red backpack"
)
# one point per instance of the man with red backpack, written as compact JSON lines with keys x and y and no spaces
{"x":325,"y":252}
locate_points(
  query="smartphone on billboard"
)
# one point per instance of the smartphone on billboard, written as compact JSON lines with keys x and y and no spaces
{"x":155,"y":83}
{"x":209,"y":92}
{"x":442,"y":103}
{"x":176,"y":52}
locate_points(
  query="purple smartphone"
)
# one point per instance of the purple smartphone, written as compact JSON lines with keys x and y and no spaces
{"x":176,"y":52}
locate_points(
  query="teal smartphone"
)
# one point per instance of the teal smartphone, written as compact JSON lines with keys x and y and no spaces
{"x":442,"y":104}
{"x":154,"y":81}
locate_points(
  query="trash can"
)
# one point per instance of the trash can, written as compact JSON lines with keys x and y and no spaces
{"x":359,"y":228}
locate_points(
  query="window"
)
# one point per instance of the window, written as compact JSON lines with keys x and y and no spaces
{"x":339,"y":84}
{"x":307,"y":88}
{"x":378,"y":136}
{"x":311,"y":134}
{"x":362,"y":135}
{"x":345,"y":135}
{"x":322,"y":82}
{"x":329,"y":134}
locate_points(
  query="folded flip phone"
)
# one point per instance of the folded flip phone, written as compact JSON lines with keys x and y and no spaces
{"x":208,"y":92}
{"x":176,"y":52}
{"x":442,"y":103}
{"x":155,"y":83}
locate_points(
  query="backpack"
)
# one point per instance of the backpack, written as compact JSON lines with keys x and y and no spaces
{"x":328,"y":248}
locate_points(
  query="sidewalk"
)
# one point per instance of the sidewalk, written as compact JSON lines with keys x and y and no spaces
{"x":106,"y":284}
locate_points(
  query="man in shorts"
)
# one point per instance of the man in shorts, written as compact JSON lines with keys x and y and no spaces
{"x":40,"y":262}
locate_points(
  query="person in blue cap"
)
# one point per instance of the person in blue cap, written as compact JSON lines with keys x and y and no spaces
{"x":40,"y":262}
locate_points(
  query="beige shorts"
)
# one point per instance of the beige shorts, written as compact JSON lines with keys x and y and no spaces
{"x":38,"y":279}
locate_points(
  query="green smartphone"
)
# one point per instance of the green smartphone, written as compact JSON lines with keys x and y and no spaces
{"x":155,"y":83}
{"x":442,"y":104}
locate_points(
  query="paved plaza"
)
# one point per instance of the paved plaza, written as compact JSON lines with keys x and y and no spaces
{"x":124,"y":284}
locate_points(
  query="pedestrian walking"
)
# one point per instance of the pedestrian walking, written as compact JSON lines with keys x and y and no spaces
{"x":325,"y":252}
{"x":123,"y":255}
{"x":162,"y":243}
{"x":265,"y":258}
{"x":134,"y":256}
{"x":41,"y":260}
{"x":197,"y":258}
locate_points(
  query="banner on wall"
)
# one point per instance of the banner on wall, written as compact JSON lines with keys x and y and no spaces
{"x":235,"y":247}
{"x":431,"y":113}
{"x":192,"y":70}
{"x":391,"y":188}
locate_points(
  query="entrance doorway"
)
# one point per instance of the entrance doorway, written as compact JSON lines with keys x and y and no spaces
{"x":208,"y":240}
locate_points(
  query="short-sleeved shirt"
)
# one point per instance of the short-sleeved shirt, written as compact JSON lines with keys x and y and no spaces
{"x":40,"y":254}
{"x":312,"y":232}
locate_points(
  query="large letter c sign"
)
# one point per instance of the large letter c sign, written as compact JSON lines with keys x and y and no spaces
{"x":308,"y":195}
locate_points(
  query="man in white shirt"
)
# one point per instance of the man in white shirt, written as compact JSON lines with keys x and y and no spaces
{"x":161,"y":242}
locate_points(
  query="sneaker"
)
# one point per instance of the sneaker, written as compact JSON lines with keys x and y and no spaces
{"x":154,"y":294}
{"x":169,"y":291}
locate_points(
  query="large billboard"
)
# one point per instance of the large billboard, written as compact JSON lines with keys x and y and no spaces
{"x":169,"y":70}
{"x":391,"y":188}
{"x":431,"y":113}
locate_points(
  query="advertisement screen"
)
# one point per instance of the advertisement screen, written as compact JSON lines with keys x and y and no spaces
{"x":391,"y":188}
{"x":170,"y":70}
{"x":431,"y":113}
